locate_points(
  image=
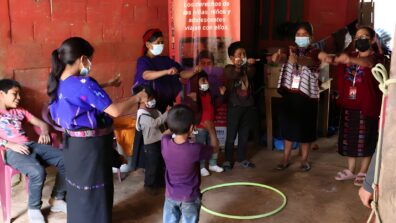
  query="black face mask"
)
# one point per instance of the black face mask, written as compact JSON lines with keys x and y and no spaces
{"x":362,"y":45}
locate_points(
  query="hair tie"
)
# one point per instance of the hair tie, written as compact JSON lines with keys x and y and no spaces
{"x":146,"y":38}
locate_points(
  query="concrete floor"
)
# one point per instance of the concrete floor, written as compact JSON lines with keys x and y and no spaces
{"x":312,"y":197}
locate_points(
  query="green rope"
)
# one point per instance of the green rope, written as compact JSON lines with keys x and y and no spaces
{"x":250,"y":216}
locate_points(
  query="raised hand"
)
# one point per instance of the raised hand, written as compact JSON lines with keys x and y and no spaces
{"x":172,"y":71}
{"x":115,"y":81}
{"x":326,"y":58}
{"x":197,"y":69}
{"x":222,"y":90}
{"x":142,"y":95}
{"x":252,"y":61}
{"x":343,"y":58}
{"x":276,"y":56}
{"x":292,"y":56}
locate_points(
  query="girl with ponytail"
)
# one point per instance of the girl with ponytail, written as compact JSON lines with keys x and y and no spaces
{"x":80,"y":106}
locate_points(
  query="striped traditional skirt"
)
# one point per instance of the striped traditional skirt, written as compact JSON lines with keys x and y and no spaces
{"x":358,"y":134}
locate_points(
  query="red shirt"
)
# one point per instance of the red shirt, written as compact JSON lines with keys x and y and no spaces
{"x":207,"y":109}
{"x":368,"y":95}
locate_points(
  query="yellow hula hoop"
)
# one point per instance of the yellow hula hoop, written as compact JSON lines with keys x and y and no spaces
{"x":249,"y":217}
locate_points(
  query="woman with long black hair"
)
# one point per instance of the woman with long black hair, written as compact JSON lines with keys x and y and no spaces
{"x":80,"y":106}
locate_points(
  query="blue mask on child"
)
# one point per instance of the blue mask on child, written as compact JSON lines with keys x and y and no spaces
{"x":302,"y":41}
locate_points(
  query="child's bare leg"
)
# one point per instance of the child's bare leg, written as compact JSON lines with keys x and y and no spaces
{"x":352,"y":164}
{"x":365,"y":164}
{"x":304,"y":152}
{"x":287,"y":152}
{"x":209,"y":126}
{"x":214,"y":141}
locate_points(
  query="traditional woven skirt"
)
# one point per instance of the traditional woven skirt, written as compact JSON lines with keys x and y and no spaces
{"x":89,"y":179}
{"x":299,"y":118}
{"x":358,"y":134}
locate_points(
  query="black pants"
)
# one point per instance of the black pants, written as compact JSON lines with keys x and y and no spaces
{"x":239,"y":121}
{"x":154,"y":165}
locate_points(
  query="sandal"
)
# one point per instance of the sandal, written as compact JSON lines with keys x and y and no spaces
{"x":360,"y":177}
{"x":345,"y":174}
{"x":305,"y":167}
{"x":282,"y":166}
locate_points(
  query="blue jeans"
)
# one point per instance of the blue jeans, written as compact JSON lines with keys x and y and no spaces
{"x":33,"y":166}
{"x":176,"y":210}
{"x":204,"y":138}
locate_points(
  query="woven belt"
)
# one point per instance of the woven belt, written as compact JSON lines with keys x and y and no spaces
{"x":89,"y":133}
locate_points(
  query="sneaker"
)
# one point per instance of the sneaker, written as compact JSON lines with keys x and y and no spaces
{"x":124,"y":168}
{"x":246,"y":164}
{"x":35,"y":216}
{"x":216,"y":169}
{"x":204,"y":172}
{"x":227,"y":166}
{"x":305,"y":167}
{"x":115,"y":170}
{"x":58,"y":205}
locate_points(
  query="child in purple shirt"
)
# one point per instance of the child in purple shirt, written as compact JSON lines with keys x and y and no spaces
{"x":182,"y":176}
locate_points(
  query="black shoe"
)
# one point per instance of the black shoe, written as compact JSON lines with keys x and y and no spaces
{"x":282,"y":166}
{"x":246,"y":164}
{"x":227,"y":166}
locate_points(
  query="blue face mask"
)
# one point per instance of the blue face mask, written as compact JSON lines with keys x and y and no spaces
{"x":85,"y":70}
{"x":157,"y":49}
{"x":302,"y":41}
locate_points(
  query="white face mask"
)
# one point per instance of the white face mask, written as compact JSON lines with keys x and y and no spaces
{"x":151,"y":103}
{"x":204,"y":87}
{"x":302,"y":41}
{"x":85,"y":70}
{"x":244,"y":61}
{"x":157,"y":49}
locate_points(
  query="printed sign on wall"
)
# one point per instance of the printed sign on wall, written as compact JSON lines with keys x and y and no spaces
{"x":204,"y":27}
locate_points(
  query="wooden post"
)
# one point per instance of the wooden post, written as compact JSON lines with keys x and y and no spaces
{"x":387,"y":183}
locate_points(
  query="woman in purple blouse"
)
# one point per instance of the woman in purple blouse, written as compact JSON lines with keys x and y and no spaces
{"x":80,"y":106}
{"x":161,"y":72}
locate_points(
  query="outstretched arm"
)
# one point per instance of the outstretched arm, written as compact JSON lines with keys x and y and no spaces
{"x":123,"y":107}
{"x":115,"y":81}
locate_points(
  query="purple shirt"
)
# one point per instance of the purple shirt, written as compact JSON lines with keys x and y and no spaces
{"x":80,"y":104}
{"x":167,"y":87}
{"x":182,"y":174}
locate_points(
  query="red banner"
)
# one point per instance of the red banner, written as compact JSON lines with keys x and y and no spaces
{"x":204,"y":25}
{"x":196,"y":25}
